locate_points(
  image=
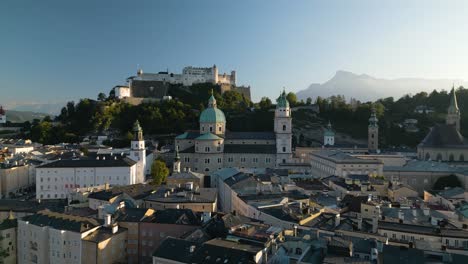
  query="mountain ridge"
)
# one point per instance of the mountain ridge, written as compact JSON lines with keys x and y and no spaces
{"x":365,"y":87}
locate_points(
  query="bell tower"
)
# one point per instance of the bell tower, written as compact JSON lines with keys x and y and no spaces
{"x":138,"y":152}
{"x":453,"y":112}
{"x":283,"y":129}
{"x":373,"y":132}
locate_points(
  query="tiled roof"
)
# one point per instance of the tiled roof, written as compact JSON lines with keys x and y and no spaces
{"x":136,"y":191}
{"x":251,"y":135}
{"x":89,"y":163}
{"x":443,"y":135}
{"x":208,"y":136}
{"x":62,"y":221}
{"x":250,"y":148}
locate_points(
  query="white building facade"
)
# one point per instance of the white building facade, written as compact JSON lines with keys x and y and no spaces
{"x":189,"y":76}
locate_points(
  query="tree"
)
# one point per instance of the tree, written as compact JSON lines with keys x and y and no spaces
{"x":447,"y":181}
{"x":265,"y":103}
{"x":159,"y":172}
{"x":292,"y":98}
{"x":309,"y":101}
{"x":101,"y":97}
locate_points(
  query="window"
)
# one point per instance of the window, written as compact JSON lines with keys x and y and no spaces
{"x":207,"y":161}
{"x":267,"y":160}
{"x":284,"y":127}
{"x":219,"y":129}
{"x":211,"y":129}
{"x":219,"y":160}
{"x":284,"y":149}
{"x":298,"y":251}
{"x":255,"y":160}
{"x":207,"y":149}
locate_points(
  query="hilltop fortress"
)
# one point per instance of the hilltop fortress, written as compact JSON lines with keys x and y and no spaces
{"x":157,"y":85}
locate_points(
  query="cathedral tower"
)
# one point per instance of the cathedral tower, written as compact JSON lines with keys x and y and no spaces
{"x":329,"y":136}
{"x":138,"y":152}
{"x":283,"y":129}
{"x":373,"y":132}
{"x":453,"y":113}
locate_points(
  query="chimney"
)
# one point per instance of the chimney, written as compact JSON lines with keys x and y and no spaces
{"x":426,"y":211}
{"x":337,"y":220}
{"x":375,"y":224}
{"x":401,"y":215}
{"x":359,"y":222}
{"x":115,"y":228}
{"x":107,"y":220}
{"x":295,"y":230}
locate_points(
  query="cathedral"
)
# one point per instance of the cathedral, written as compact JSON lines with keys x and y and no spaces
{"x":444,"y":141}
{"x":212,"y":147}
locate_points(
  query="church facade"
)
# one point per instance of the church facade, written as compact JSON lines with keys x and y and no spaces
{"x":212,"y":147}
{"x":444,"y":141}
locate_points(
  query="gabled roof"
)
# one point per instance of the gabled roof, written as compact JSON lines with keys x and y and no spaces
{"x":136,"y":191}
{"x":443,"y":135}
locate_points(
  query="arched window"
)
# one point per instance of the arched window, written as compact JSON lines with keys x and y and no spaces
{"x":462,"y":157}
{"x":428,"y":156}
{"x":451,"y":158}
{"x":439,"y":157}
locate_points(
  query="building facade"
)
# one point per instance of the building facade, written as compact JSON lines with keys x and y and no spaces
{"x":212,"y":147}
{"x":189,"y":76}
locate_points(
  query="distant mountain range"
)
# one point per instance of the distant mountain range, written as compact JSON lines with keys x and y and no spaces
{"x":47,"y":108}
{"x":367,"y":88}
{"x":23,"y":116}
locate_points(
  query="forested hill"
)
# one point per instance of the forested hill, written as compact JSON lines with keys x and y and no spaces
{"x":108,"y":114}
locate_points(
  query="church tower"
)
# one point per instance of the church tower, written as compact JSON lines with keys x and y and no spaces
{"x":283,"y":129}
{"x":373,"y":132}
{"x":176,"y":166}
{"x":329,"y":136}
{"x":138,"y":152}
{"x":453,"y":113}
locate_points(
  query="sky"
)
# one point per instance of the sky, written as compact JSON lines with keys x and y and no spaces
{"x":52,"y":51}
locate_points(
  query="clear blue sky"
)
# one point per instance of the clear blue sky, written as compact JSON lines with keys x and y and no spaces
{"x":60,"y":50}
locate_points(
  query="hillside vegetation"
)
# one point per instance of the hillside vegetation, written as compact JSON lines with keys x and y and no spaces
{"x":116,"y":117}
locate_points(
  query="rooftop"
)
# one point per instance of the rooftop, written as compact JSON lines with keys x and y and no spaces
{"x":89,"y":163}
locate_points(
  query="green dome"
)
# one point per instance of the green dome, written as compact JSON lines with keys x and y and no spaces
{"x":282,"y":101}
{"x":212,"y":115}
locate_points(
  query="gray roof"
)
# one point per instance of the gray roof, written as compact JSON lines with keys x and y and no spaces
{"x":449,"y":193}
{"x":341,"y":157}
{"x":425,"y":230}
{"x":62,"y":221}
{"x":419,"y":165}
{"x":250,"y":148}
{"x":443,"y":135}
{"x":251,"y":135}
{"x":176,"y":249}
{"x":89,"y":163}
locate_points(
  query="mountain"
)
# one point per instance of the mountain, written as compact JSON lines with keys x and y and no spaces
{"x":367,"y":88}
{"x":48,"y":108}
{"x":23,"y":116}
